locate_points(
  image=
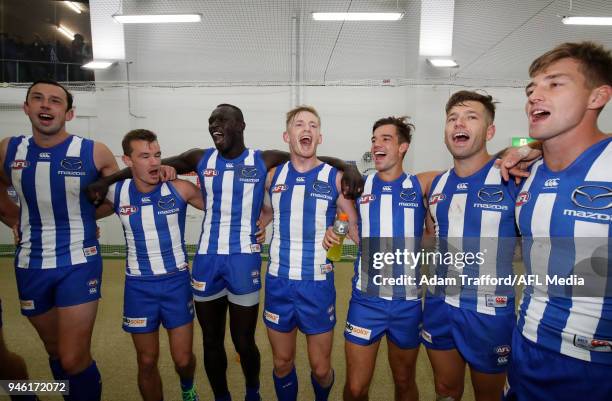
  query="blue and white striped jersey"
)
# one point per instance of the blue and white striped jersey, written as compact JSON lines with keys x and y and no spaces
{"x":233,"y":192}
{"x":476,"y":214}
{"x":395,"y":210}
{"x":304,"y":205}
{"x":57,"y":223}
{"x":154,"y":227}
{"x":565,"y":219}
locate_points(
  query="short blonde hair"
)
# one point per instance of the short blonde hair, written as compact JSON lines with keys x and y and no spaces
{"x":295,"y":111}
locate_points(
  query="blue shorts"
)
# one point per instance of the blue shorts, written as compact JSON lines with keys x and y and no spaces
{"x":370,"y":318}
{"x":310,"y":305}
{"x":43,"y":289}
{"x":482,"y":340}
{"x":151,"y":300}
{"x":538,"y":374}
{"x":238,"y":273}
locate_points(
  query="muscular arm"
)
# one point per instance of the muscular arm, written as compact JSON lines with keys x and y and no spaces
{"x":425,"y":179}
{"x":190,"y":193}
{"x":9,"y":211}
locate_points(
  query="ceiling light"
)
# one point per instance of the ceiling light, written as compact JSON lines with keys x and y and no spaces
{"x":587,"y":20}
{"x":69,"y":34}
{"x":436,"y":31}
{"x":156,"y":18}
{"x":443,"y":62}
{"x":98,"y":65}
{"x":74,"y":6}
{"x":357,"y":16}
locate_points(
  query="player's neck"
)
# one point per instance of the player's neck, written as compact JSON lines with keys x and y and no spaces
{"x":48,"y":141}
{"x":560,"y":151}
{"x":144,"y":187}
{"x":468,"y":166}
{"x":304,"y":164}
{"x":391,"y":174}
{"x":234,"y":152}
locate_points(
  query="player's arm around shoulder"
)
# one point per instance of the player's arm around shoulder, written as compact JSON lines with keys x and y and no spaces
{"x":104,"y":160}
{"x":190,"y":192}
{"x":347,"y":206}
{"x":274,"y":158}
{"x":425,"y":179}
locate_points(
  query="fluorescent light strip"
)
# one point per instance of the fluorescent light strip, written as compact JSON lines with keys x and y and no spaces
{"x":67,"y":32}
{"x":157,"y":18}
{"x":443,"y":62}
{"x":587,"y":20}
{"x":98,"y":65}
{"x":436,"y":32}
{"x":74,"y":6}
{"x":357,"y":16}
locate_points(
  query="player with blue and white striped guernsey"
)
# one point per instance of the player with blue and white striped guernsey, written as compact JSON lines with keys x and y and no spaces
{"x":300,"y":293}
{"x":158,"y":283}
{"x":58,"y":264}
{"x":227,"y":264}
{"x":392,"y":206}
{"x":472,"y":210}
{"x":562,"y":346}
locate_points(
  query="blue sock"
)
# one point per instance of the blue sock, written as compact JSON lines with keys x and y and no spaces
{"x":252,"y":394}
{"x":321,"y":393}
{"x":227,"y":397}
{"x":87,"y":385}
{"x":286,"y":387}
{"x":186,"y":384}
{"x":56,"y":369}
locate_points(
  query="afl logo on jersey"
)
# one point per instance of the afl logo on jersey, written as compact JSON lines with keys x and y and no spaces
{"x":279,"y":188}
{"x":321,"y":187}
{"x":19,"y":164}
{"x":435,"y":198}
{"x":167,"y":202}
{"x":127,"y":210}
{"x":523,"y":198}
{"x":72,"y":163}
{"x":408,"y":195}
{"x":365,"y":199}
{"x":492,"y":195}
{"x":210,"y":172}
{"x":594,"y":197}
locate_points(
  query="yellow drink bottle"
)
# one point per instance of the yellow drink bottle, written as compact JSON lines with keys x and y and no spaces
{"x":340,"y":228}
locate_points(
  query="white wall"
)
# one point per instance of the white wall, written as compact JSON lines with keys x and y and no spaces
{"x":180,"y":118}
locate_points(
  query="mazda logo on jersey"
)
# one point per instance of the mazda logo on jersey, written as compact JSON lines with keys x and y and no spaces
{"x":321,"y":187}
{"x":127,"y":210}
{"x":491,"y":195}
{"x":595,"y":197}
{"x":408,"y":195}
{"x":167,"y":202}
{"x":19,"y":164}
{"x":248,"y":171}
{"x":435,"y":198}
{"x":72,"y":163}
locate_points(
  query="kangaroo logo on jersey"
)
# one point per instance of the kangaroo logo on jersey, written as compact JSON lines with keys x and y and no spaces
{"x":72,"y":163}
{"x":127,"y":210}
{"x":167,"y":202}
{"x":408,"y":195}
{"x":279,"y":188}
{"x":492,"y":195}
{"x":594,"y":197}
{"x":210,"y":172}
{"x":523,"y":198}
{"x":248,"y":171}
{"x":19,"y":164}
{"x":435,"y":198}
{"x":365,"y":199}
{"x":321,"y":187}
{"x":551,"y":183}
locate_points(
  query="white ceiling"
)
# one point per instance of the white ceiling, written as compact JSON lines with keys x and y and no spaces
{"x":494,"y":41}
